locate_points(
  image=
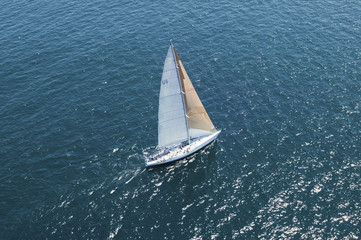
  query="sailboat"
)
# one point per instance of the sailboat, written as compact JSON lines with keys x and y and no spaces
{"x":184,"y":126}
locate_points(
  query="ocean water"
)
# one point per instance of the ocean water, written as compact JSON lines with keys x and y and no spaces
{"x":79,"y":85}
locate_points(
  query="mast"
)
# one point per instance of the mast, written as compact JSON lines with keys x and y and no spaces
{"x":180,"y":85}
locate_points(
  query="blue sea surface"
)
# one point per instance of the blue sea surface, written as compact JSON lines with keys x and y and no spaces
{"x":79,"y":86}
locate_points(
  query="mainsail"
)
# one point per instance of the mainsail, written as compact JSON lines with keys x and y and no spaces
{"x":181,"y":114}
{"x":172,"y":122}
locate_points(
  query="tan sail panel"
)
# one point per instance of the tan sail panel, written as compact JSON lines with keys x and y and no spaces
{"x":196,"y":114}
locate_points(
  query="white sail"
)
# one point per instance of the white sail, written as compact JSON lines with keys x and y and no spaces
{"x":172,"y":122}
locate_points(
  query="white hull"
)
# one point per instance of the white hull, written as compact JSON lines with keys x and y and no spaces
{"x":182,"y":152}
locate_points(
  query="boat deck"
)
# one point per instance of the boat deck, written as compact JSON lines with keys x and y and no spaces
{"x":181,"y":151}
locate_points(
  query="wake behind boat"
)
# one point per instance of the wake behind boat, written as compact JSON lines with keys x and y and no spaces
{"x":184,"y":126}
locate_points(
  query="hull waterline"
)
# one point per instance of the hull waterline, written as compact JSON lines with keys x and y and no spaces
{"x":183,"y":152}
